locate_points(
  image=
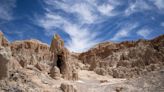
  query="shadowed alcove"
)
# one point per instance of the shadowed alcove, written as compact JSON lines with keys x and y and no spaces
{"x":60,"y":62}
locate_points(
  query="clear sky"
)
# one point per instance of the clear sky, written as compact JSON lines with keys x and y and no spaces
{"x":82,"y":23}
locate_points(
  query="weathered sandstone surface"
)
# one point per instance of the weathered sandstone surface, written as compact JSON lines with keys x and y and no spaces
{"x":126,"y":59}
{"x":29,"y":66}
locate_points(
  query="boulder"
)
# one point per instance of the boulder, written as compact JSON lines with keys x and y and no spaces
{"x":67,"y":87}
{"x":42,"y":67}
{"x":55,"y":73}
{"x":75,"y":74}
{"x":100,"y":71}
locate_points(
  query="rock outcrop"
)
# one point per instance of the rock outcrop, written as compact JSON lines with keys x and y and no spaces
{"x":30,"y":52}
{"x":29,"y":66}
{"x":67,"y":87}
{"x":61,"y":55}
{"x":7,"y":62}
{"x":5,"y":56}
{"x":75,"y":74}
{"x":55,"y":73}
{"x":3,"y":40}
{"x":35,"y":53}
{"x":126,"y":59}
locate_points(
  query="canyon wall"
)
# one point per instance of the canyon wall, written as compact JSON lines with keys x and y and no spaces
{"x":125,"y":59}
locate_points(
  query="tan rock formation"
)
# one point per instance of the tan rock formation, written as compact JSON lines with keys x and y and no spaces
{"x":61,"y":57}
{"x":30,"y":52}
{"x":66,"y":87}
{"x":75,"y":74}
{"x":100,"y":71}
{"x":126,"y":59}
{"x":7,"y":62}
{"x":57,"y":44}
{"x":42,"y":67}
{"x":55,"y":73}
{"x":3,"y":40}
{"x":5,"y":55}
{"x":27,"y":66}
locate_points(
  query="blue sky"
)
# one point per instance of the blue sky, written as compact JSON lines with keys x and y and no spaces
{"x":82,"y":23}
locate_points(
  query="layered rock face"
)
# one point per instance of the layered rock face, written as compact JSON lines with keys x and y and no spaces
{"x":32,"y":52}
{"x":5,"y":55}
{"x":19,"y":57}
{"x":7,"y":62}
{"x":126,"y":59}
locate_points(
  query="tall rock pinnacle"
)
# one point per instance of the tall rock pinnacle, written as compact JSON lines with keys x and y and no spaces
{"x":60,"y":58}
{"x":3,"y":40}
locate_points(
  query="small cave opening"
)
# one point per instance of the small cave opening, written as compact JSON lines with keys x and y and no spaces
{"x":59,"y":62}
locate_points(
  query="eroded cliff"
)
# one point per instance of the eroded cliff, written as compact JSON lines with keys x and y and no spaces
{"x":29,"y":66}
